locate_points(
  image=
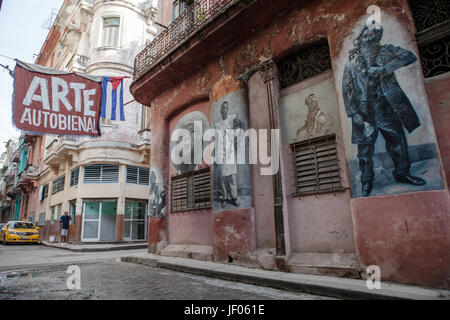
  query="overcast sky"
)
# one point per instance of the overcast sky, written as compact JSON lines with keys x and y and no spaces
{"x":21,"y":36}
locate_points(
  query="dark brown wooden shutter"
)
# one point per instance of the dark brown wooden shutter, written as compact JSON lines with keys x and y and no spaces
{"x":191,"y":191}
{"x":316,"y":166}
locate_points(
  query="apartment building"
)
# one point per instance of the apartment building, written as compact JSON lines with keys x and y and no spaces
{"x":102,"y":182}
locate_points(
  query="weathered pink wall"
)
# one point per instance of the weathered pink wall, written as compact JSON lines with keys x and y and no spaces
{"x":439,"y":97}
{"x":262,"y":185}
{"x":406,"y":235}
{"x":191,"y":227}
{"x":319,"y":223}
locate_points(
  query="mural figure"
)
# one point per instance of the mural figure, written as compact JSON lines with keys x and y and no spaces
{"x":317,"y":121}
{"x":376,"y":104}
{"x":157,"y":205}
{"x":228,"y":170}
{"x":191,"y":166}
{"x":189,"y":122}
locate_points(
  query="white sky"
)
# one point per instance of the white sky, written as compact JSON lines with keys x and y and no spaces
{"x":21,"y":36}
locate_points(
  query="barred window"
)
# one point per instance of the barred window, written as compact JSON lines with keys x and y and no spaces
{"x":58,"y":184}
{"x":74,"y":175}
{"x":432,"y":20}
{"x":316,"y":166}
{"x":101,"y":173}
{"x":305,"y":64}
{"x":138,"y":175}
{"x":191,"y":191}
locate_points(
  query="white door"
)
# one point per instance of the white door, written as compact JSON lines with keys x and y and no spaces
{"x":91,"y":221}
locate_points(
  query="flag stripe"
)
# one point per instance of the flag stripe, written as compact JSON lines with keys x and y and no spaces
{"x":112,"y":100}
{"x":122,"y":111}
{"x":113,"y":104}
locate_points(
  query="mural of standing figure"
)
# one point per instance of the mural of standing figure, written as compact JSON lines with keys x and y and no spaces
{"x":228,"y":170}
{"x":376,"y":104}
{"x":317,"y":121}
{"x":157,"y":207}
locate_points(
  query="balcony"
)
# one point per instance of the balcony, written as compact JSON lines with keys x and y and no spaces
{"x":65,"y":147}
{"x":28,"y":176}
{"x":206,"y":31}
{"x":179,"y":31}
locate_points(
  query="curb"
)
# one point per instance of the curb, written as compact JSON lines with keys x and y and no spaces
{"x":318,"y":285}
{"x":111,"y":248}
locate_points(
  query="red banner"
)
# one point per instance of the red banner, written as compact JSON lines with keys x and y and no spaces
{"x":54,"y":102}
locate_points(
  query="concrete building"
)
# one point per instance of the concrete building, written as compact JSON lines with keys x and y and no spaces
{"x":7,"y":179}
{"x":102,"y":182}
{"x":361,"y":102}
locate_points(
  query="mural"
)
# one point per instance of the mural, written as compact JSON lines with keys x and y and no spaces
{"x":157,"y":201}
{"x":317,"y":122}
{"x":377,"y":105}
{"x":309,"y":110}
{"x":231,"y":184}
{"x":189,"y":122}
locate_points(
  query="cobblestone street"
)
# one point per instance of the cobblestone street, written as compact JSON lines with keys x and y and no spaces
{"x":108,"y":278}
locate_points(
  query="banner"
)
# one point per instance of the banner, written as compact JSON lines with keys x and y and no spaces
{"x":56,"y":102}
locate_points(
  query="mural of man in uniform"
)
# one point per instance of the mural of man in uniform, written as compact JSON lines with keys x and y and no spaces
{"x":228,"y":170}
{"x":376,"y":104}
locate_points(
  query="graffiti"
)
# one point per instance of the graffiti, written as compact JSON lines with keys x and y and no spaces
{"x":376,"y":104}
{"x":157,"y":202}
{"x":317,"y":122}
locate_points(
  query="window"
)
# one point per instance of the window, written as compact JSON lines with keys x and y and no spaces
{"x":145,"y":120}
{"x":58,"y":184}
{"x":316,"y":165}
{"x":73,"y":210}
{"x":41,"y":220}
{"x":101,"y":173}
{"x":305,"y":64}
{"x":138,"y":175}
{"x":74,"y":175}
{"x":52,"y":215}
{"x":181,"y":6}
{"x":44,"y":192}
{"x":110,"y":36}
{"x":135,"y":219}
{"x":59,"y":208}
{"x":432,"y":20}
{"x":191,"y":191}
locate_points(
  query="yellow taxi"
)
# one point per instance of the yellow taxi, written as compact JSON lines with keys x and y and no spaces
{"x":19,"y":232}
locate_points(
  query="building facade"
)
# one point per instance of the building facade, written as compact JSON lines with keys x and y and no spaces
{"x":361,"y":105}
{"x":7,"y":179}
{"x":102,"y":182}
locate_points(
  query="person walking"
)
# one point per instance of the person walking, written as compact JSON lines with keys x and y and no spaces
{"x":65,"y":221}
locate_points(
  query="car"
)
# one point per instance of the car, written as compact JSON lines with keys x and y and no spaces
{"x":19,"y":232}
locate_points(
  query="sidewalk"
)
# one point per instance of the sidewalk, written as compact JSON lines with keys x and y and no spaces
{"x":320,"y":285}
{"x":96,"y":247}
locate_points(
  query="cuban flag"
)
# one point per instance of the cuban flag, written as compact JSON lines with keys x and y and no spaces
{"x":112,"y":99}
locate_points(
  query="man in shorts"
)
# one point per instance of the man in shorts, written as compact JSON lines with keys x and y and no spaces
{"x":65,"y":221}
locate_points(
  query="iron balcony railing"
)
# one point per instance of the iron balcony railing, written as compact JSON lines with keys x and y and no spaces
{"x":200,"y":14}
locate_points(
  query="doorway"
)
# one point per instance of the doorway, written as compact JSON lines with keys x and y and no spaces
{"x":99,"y":220}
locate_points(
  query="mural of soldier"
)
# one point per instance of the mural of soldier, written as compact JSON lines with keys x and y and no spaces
{"x":376,"y":104}
{"x":318,"y":122}
{"x":228,"y":170}
{"x":157,"y":203}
